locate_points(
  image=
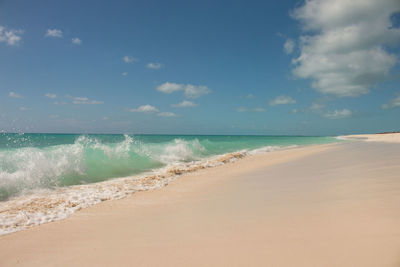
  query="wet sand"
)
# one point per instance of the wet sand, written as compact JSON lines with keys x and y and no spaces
{"x":324,"y":205}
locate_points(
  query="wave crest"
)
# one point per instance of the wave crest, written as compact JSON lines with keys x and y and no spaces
{"x":87,"y":160}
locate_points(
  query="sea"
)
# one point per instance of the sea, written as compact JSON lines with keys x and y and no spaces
{"x":47,"y":177}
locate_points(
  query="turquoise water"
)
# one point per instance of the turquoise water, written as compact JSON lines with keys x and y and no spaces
{"x":31,"y":161}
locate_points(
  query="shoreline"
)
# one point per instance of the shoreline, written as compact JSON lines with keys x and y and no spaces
{"x":47,"y":206}
{"x":324,"y":205}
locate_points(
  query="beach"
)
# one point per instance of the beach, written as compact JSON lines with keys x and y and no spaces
{"x":318,"y":205}
{"x":383,"y":137}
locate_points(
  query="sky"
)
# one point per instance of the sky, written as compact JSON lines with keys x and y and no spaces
{"x":314,"y":67}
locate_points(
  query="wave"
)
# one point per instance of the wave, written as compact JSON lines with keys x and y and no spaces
{"x":87,"y":160}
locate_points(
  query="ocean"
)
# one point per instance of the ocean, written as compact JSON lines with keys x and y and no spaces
{"x":46,"y":177}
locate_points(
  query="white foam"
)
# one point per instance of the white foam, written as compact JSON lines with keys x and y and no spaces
{"x":264,"y":149}
{"x":120,"y":150}
{"x":177,"y":151}
{"x":341,"y":137}
{"x":29,"y":167}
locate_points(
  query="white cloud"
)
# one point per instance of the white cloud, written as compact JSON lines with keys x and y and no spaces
{"x":189,"y":90}
{"x":168,"y":87}
{"x":124,"y":73}
{"x":338,"y":114}
{"x":166,"y":114}
{"x":14,"y":95}
{"x":54,"y":116}
{"x":154,"y":66}
{"x":316,"y":106}
{"x":60,"y":103}
{"x":258,"y":109}
{"x":105,"y":118}
{"x":288,"y":47}
{"x":193,"y":91}
{"x":128,"y":59}
{"x":10,"y":37}
{"x":151,"y":110}
{"x":54,"y":33}
{"x":282,"y":100}
{"x":184,"y":104}
{"x":85,"y":101}
{"x":76,"y":41}
{"x":344,"y":52}
{"x":24,"y":108}
{"x":49,"y":95}
{"x":144,"y":109}
{"x":393,"y":103}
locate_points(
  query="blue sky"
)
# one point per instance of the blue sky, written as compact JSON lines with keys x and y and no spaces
{"x":200,"y":67}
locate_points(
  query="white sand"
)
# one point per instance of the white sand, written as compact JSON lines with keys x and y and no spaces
{"x":387,"y":138}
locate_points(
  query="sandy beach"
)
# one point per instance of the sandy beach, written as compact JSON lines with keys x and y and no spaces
{"x":383,"y":137}
{"x":322,"y":205}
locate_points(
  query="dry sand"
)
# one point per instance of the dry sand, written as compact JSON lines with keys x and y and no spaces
{"x":327,"y":205}
{"x":386,"y":137}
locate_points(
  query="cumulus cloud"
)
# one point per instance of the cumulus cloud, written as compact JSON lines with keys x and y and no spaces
{"x":151,"y":110}
{"x":54,"y":33}
{"x":128,"y":59}
{"x":85,"y":101}
{"x":184,"y":104}
{"x":154,"y":66}
{"x":288,"y":47}
{"x":14,"y":95}
{"x":343,"y":48}
{"x":282,"y":100}
{"x":166,"y":114}
{"x":189,"y":90}
{"x":76,"y":41}
{"x":338,"y":114}
{"x":393,"y":103}
{"x":168,"y":87}
{"x":193,"y":91}
{"x":10,"y":37}
{"x":144,"y":109}
{"x":49,"y":95}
